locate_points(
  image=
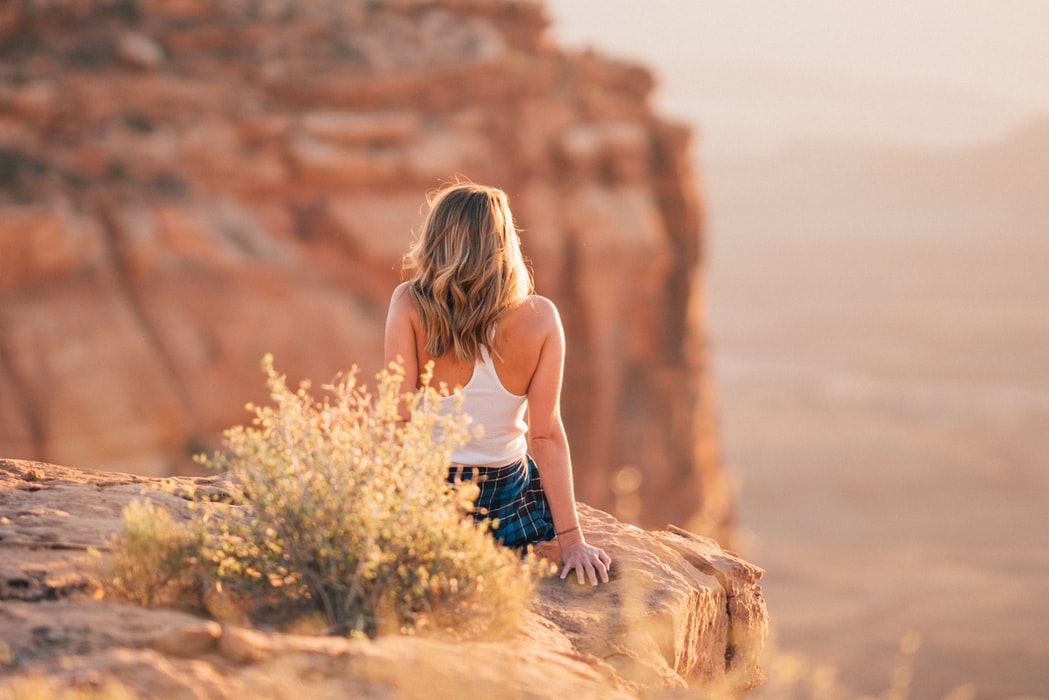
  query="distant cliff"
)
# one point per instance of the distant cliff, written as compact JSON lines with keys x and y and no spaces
{"x":188,"y":184}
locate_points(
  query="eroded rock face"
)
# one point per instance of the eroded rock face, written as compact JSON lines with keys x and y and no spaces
{"x":679,"y":613}
{"x":185,"y":186}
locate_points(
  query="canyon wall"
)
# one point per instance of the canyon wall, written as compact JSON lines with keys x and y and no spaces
{"x":186,"y":185}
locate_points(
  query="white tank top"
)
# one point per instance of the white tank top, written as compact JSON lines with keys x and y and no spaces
{"x":502,"y":414}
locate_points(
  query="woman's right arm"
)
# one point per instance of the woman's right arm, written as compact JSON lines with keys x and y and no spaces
{"x":548,"y":446}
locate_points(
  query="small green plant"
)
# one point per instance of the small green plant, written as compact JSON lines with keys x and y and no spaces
{"x":153,"y":563}
{"x":345,"y":507}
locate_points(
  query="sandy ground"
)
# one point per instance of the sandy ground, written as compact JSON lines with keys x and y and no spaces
{"x":883,"y":379}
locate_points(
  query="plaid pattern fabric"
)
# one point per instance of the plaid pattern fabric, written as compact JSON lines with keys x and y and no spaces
{"x":512,"y":497}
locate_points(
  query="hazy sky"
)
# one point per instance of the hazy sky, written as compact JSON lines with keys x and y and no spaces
{"x":755,"y":73}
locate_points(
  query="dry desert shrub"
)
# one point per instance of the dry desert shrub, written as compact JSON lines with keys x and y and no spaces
{"x":153,"y":560}
{"x":343,"y":506}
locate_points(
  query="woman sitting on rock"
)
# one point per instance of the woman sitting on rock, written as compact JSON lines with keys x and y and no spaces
{"x":468,"y":307}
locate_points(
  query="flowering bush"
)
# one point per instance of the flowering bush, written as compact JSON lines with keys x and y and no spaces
{"x":344,"y":505}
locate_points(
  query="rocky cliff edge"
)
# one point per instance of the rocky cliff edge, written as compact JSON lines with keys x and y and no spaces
{"x":680,"y":613}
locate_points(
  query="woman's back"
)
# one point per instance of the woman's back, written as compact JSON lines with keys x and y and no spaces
{"x":516,"y":345}
{"x":468,"y":309}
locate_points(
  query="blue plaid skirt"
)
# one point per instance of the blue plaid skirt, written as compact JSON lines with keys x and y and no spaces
{"x":513,"y":499}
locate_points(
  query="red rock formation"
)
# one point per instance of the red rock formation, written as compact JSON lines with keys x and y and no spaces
{"x":188,"y":184}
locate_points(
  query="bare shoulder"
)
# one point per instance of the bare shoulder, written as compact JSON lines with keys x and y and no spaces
{"x":525,"y":329}
{"x":401,"y":300}
{"x":537,"y":312}
{"x":531,"y":322}
{"x":401,"y":290}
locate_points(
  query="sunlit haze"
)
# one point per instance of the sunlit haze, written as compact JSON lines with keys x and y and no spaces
{"x":876,"y":230}
{"x":758,"y":74}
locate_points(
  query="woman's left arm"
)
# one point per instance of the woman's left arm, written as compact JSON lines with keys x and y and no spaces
{"x":399,"y":341}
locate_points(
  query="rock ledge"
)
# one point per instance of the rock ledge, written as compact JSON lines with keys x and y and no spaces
{"x":680,"y":612}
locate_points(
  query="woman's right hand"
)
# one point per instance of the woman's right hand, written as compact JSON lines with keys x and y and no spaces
{"x":588,"y":561}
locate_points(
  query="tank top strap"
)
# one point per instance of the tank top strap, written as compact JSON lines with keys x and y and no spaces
{"x":485,"y":370}
{"x":484,"y":359}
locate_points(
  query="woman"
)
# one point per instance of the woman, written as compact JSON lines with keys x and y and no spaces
{"x":469,"y":308}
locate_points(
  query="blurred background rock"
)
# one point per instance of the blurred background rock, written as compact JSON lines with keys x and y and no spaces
{"x":189,"y":184}
{"x":876,"y":186}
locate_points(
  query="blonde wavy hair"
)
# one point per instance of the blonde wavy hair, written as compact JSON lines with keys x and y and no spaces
{"x":467,"y":269}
